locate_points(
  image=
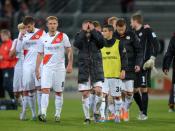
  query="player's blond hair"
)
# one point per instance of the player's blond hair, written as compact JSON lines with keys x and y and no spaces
{"x":111,"y":19}
{"x":51,"y":18}
{"x":20,"y":26}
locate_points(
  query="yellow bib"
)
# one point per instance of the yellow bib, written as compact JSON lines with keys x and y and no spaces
{"x":111,"y":61}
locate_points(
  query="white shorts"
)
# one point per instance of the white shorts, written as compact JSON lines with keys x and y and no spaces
{"x":29,"y":77}
{"x":53,"y":78}
{"x":128,"y":85}
{"x":88,"y":86}
{"x":112,"y":86}
{"x":17,"y":80}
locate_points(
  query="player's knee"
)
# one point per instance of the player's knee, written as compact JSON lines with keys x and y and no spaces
{"x":144,"y":90}
{"x":136,"y":90}
{"x":25,"y":93}
{"x":58,"y":93}
{"x":45,"y":91}
{"x":85,"y":94}
{"x":117,"y":98}
{"x":98,"y":90}
{"x":129,"y":94}
{"x":110,"y":100}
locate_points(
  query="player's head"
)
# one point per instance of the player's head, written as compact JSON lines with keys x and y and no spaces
{"x":112,"y":21}
{"x":108,"y":31}
{"x":97,"y":25}
{"x":136,"y":20}
{"x":52,"y":23}
{"x":121,"y":26}
{"x":5,"y":35}
{"x":87,"y":22}
{"x":21,"y":27}
{"x":29,"y":23}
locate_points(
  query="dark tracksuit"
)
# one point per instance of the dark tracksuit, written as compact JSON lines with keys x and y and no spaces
{"x":167,"y":60}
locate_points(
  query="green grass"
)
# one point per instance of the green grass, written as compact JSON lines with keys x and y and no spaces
{"x":72,"y":119}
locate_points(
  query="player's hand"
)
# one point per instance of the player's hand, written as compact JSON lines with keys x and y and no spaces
{"x":37,"y":73}
{"x":85,"y":26}
{"x":122,"y":74}
{"x":69,"y":69}
{"x":91,"y":26}
{"x":166,"y":71}
{"x":146,"y":26}
{"x":149,"y":64}
{"x":137,"y":68}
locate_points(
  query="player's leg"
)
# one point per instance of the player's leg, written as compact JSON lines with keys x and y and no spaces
{"x":171,"y":99}
{"x":58,"y":86}
{"x":85,"y":88}
{"x":144,"y":90}
{"x":105,"y":91}
{"x":115,"y":92}
{"x":128,"y":98}
{"x":28,"y":91}
{"x":137,"y":94}
{"x":44,"y":103}
{"x":39,"y":95}
{"x":46,"y":84}
{"x":98,"y":99}
{"x":91,"y":102}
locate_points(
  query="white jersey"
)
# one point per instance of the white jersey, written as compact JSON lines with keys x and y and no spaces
{"x":19,"y":55}
{"x":53,"y":48}
{"x":29,"y":44}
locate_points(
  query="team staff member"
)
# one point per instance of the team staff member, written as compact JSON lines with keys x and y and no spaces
{"x":168,"y":58}
{"x":150,"y":45}
{"x":6,"y":63}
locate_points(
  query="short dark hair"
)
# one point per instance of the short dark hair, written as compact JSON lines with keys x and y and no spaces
{"x":137,"y":17}
{"x":109,"y":27}
{"x":86,"y":21}
{"x":28,"y":20}
{"x":121,"y":22}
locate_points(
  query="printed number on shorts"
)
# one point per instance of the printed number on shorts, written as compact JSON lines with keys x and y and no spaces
{"x":118,"y":89}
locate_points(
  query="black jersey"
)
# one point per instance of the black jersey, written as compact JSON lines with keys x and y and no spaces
{"x":148,"y":41}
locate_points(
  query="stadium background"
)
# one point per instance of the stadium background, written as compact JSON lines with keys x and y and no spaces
{"x":159,"y":14}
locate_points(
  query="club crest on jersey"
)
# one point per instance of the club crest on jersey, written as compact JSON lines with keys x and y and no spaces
{"x":37,"y":36}
{"x":140,"y":34}
{"x":128,"y":37}
{"x":58,"y":40}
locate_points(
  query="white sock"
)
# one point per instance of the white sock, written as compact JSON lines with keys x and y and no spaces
{"x":32,"y":103}
{"x":39,"y":94}
{"x":111,"y":108}
{"x":58,"y":105}
{"x":44,"y":103}
{"x":91,"y":101}
{"x":102,"y":108}
{"x":128,"y":102}
{"x":24,"y":104}
{"x":118,"y":104}
{"x":86,"y":105}
{"x":97,"y":104}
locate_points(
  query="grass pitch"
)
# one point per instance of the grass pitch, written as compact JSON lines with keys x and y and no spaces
{"x":72,"y":119}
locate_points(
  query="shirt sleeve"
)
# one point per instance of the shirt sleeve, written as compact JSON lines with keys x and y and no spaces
{"x":14,"y":44}
{"x":20,"y":43}
{"x":66,"y":41}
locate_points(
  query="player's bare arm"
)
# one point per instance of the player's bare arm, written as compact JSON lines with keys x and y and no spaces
{"x":70,"y":59}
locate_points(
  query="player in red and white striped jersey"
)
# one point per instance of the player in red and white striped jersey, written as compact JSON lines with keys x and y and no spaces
{"x":54,"y":46}
{"x":29,"y":43}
